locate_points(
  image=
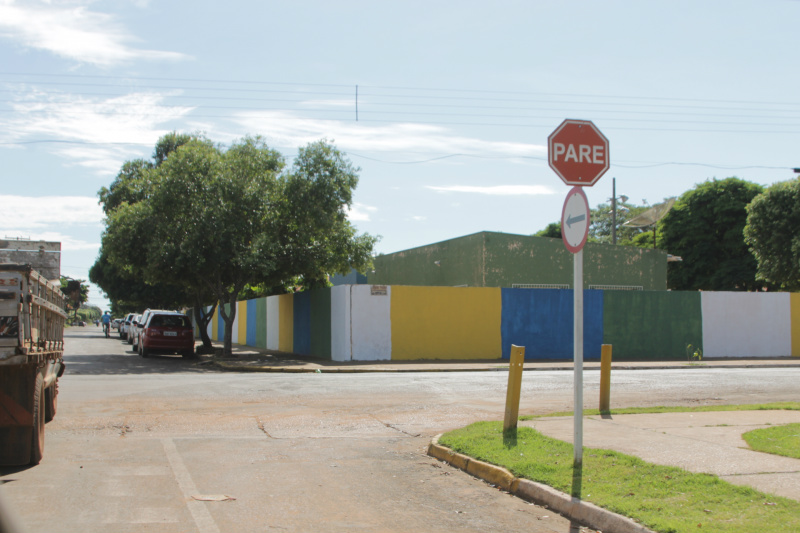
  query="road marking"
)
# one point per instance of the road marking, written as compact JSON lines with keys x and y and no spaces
{"x":203,"y":519}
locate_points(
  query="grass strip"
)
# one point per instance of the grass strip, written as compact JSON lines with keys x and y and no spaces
{"x":776,"y":406}
{"x":665,"y":499}
{"x":778,"y":440}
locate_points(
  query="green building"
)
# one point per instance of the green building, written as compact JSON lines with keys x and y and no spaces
{"x":490,"y":259}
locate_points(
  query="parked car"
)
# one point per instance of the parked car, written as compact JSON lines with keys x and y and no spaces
{"x":167,"y":332}
{"x":137,"y":330}
{"x":130,"y":330}
{"x":123,"y":327}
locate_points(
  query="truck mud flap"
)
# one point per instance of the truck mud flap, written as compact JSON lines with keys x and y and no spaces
{"x":15,"y":446}
{"x":16,"y":413}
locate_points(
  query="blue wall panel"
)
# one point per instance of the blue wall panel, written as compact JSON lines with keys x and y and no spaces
{"x":302,"y":323}
{"x":221,"y":325}
{"x":252,"y":322}
{"x":541,"y":320}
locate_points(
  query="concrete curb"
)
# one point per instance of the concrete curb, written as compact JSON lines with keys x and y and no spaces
{"x":235,"y":366}
{"x":579,"y":511}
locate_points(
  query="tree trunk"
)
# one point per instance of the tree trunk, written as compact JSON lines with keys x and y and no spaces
{"x":228,"y":315}
{"x":202,"y":319}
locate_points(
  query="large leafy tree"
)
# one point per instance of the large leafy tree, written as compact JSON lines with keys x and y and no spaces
{"x":122,"y":282}
{"x":222,"y":220}
{"x":705,"y":229}
{"x":773,"y":219}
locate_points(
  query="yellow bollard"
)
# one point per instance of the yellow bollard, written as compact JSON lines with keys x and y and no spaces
{"x":605,"y":377}
{"x":515,"y":366}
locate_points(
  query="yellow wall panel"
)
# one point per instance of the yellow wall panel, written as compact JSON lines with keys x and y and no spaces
{"x":446,"y":323}
{"x":241,"y":317}
{"x":286,"y":327}
{"x":215,"y":324}
{"x":795,"y":321}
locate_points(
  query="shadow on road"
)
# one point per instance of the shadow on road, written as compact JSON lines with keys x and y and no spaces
{"x":131,"y":363}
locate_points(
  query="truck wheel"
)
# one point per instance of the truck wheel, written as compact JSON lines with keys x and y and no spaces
{"x":51,"y":402}
{"x":37,"y":441}
{"x":144,"y":352}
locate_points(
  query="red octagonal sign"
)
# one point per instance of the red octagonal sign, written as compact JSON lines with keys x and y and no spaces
{"x":578,"y":152}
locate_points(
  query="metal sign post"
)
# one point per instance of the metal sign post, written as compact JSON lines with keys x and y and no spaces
{"x":574,"y":231}
{"x":577,"y":280}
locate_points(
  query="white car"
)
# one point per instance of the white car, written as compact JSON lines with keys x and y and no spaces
{"x":131,"y":327}
{"x":124,"y":325}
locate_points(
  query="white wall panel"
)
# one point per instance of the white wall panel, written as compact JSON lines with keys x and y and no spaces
{"x":340,"y":323}
{"x":746,"y":324}
{"x":235,"y":332}
{"x":371,"y":324}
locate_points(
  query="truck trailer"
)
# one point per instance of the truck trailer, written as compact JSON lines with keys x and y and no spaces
{"x":32,"y":320}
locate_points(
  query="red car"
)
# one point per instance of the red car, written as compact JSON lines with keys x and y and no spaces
{"x":167,"y":332}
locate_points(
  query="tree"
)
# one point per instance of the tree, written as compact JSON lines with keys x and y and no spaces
{"x":552,"y":230}
{"x":705,"y":229}
{"x":771,"y":233}
{"x":601,"y":223}
{"x":76,"y":292}
{"x":221,"y":220}
{"x":123,"y":284}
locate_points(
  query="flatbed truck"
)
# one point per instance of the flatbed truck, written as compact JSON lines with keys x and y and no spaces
{"x":32,"y":320}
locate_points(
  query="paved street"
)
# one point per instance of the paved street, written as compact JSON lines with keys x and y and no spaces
{"x":163,"y":444}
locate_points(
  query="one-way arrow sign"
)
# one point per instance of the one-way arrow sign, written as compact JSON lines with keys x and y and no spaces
{"x":575,"y":220}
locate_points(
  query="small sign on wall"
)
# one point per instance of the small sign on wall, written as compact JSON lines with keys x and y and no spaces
{"x":378,"y":290}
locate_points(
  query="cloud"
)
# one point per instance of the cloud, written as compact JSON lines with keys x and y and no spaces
{"x":35,"y":213}
{"x":96,"y":133}
{"x":497,"y":190}
{"x":290,"y":130}
{"x":72,"y":31}
{"x":360,"y":212}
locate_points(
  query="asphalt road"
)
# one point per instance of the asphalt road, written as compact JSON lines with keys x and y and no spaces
{"x":165,"y":445}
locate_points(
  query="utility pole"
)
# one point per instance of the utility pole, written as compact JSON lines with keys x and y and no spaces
{"x":614,"y":211}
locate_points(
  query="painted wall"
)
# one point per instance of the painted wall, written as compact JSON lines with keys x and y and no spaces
{"x":445,"y":323}
{"x":643,"y":325}
{"x":739,"y":324}
{"x":542,"y":321}
{"x":273,"y":322}
{"x":795,"y":312}
{"x":371,"y":323}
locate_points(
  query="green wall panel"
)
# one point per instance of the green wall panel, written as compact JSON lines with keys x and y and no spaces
{"x":321,"y":323}
{"x":650,"y":325}
{"x":261,"y":323}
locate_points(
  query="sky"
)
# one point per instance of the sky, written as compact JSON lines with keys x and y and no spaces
{"x":445,"y":106}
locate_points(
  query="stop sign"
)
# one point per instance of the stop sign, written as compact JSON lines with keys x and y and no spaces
{"x":578,"y":152}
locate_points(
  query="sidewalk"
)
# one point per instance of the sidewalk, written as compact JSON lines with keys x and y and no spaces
{"x":707,"y":442}
{"x":250,"y":359}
